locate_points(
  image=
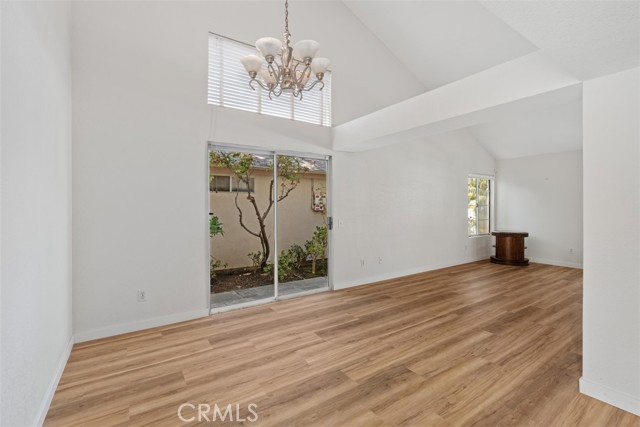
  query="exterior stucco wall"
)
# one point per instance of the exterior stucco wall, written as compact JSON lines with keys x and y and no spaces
{"x":296,"y":219}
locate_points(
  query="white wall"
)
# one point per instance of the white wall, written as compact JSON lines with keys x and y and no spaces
{"x":140,"y":128}
{"x":406,"y":204}
{"x":543,"y":196}
{"x":611,"y":347}
{"x":36,"y":206}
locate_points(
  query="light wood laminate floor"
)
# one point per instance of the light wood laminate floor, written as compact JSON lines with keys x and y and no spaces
{"x":477,"y":344}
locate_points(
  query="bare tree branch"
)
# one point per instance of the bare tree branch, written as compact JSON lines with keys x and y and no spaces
{"x":243,"y":166}
{"x":289,"y":190}
{"x":266,"y":212}
{"x":240,"y":218}
{"x":264,"y":238}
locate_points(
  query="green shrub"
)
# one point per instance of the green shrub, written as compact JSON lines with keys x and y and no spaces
{"x":215,"y":228}
{"x":317,"y":246}
{"x":298,"y":255}
{"x":256,"y":259}
{"x":214,"y":265}
{"x":286,"y":263}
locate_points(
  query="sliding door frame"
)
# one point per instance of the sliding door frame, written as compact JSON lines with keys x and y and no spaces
{"x":211,"y":145}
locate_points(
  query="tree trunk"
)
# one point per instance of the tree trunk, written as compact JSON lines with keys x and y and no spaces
{"x":265,"y":246}
{"x":313,"y":265}
{"x":264,"y":238}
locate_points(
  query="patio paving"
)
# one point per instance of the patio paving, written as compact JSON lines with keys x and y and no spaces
{"x":224,"y":299}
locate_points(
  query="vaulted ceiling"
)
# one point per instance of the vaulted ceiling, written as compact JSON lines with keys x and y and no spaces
{"x":439,"y":41}
{"x":444,"y":43}
{"x":387,"y":53}
{"x":588,"y":38}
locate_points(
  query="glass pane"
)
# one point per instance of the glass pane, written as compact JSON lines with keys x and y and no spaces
{"x":471,"y":191}
{"x":220,"y":183}
{"x":483,"y":227}
{"x":241,"y":184}
{"x":241,"y":253}
{"x":302,"y":231}
{"x":483,"y":191}
{"x":472,"y":228}
{"x":483,"y":213}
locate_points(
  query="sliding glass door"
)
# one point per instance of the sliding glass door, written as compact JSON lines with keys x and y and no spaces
{"x":302,"y":225}
{"x":241,"y":226}
{"x":267,"y":226}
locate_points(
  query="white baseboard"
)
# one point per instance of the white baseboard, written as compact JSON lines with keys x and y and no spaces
{"x":123,"y":328}
{"x":608,"y":395}
{"x":387,"y":276}
{"x":48,"y":397}
{"x":373,"y":279}
{"x":396,"y":274}
{"x":555,"y":262}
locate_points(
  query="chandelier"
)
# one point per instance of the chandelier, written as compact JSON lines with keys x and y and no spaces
{"x":288,"y":70}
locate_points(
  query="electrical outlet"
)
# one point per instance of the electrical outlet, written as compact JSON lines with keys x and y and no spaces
{"x":379,"y":260}
{"x":142,"y":296}
{"x":361,"y":263}
{"x":571,"y":251}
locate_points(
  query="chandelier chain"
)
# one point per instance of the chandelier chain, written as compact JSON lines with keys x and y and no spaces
{"x":286,"y":16}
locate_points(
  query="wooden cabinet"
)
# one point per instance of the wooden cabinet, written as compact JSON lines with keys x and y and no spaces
{"x":510,"y":248}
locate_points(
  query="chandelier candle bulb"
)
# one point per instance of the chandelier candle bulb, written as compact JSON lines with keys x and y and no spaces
{"x":288,"y":70}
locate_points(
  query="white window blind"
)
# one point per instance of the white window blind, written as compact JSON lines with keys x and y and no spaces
{"x":229,"y":87}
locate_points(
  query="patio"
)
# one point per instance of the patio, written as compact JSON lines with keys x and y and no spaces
{"x":241,"y":296}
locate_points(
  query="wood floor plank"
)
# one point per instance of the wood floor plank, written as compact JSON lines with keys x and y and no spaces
{"x":478,"y":344}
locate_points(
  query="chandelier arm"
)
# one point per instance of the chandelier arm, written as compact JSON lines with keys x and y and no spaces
{"x":294,"y":73}
{"x":307,"y":89}
{"x":274,"y":71}
{"x":305,"y":72}
{"x":259,"y":82}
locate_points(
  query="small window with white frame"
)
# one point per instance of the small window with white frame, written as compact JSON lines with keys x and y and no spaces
{"x":228,"y":184}
{"x":220,"y":183}
{"x":479,"y":205}
{"x":242,"y":187}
